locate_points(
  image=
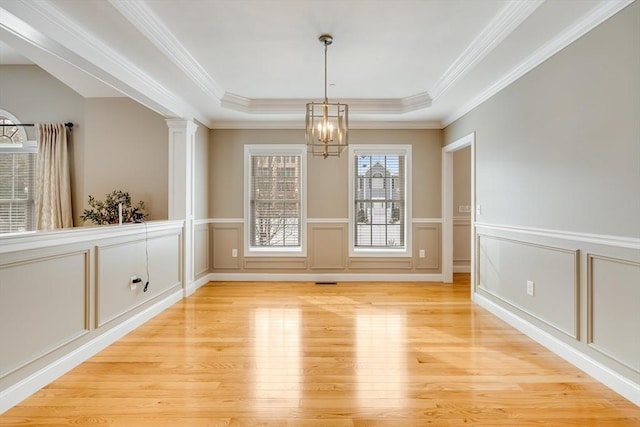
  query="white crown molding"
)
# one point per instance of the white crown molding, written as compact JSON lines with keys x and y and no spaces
{"x":507,"y":20}
{"x":80,"y":48}
{"x":147,"y":22}
{"x":600,"y":13}
{"x":356,"y":105}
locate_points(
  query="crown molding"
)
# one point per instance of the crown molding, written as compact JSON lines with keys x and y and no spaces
{"x":356,"y":105}
{"x":507,"y":20}
{"x":600,"y":13}
{"x":299,"y":124}
{"x":82,"y":50}
{"x":147,"y":22}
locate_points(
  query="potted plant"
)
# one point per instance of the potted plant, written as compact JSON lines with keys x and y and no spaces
{"x":115,"y":204}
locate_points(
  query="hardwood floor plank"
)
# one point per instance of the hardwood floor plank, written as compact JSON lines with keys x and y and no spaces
{"x":351,"y":355}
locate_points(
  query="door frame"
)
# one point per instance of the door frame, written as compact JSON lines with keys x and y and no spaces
{"x":447,"y":206}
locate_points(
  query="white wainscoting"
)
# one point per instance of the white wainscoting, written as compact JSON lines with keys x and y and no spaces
{"x":44,"y":305}
{"x":66,"y":296}
{"x":586,"y":302}
{"x":613,"y":308}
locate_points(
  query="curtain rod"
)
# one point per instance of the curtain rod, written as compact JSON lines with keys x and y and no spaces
{"x":69,"y":125}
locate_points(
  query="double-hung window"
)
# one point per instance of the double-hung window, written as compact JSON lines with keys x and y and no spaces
{"x":275,"y":200}
{"x":379,"y":200}
{"x":17,"y":178}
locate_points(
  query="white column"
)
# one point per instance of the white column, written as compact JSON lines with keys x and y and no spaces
{"x":181,"y":181}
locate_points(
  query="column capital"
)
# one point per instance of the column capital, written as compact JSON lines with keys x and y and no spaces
{"x":189,"y":125}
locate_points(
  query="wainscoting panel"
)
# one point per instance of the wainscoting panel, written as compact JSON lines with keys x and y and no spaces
{"x":507,"y":264}
{"x":44,"y":304}
{"x":427,"y":238}
{"x":226,"y":238}
{"x":614,"y":308}
{"x":116,"y":263}
{"x":201,"y":246}
{"x":328,"y":246}
{"x":462,"y":244}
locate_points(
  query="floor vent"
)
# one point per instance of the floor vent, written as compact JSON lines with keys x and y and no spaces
{"x":326,"y":283}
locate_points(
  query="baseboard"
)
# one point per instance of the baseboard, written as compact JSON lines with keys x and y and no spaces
{"x":197,"y":284}
{"x":15,"y":393}
{"x":324,"y":277}
{"x":462,"y":268}
{"x":618,"y":383}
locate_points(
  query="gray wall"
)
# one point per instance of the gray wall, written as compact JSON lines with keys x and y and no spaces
{"x":558,"y":180}
{"x":559,"y":148}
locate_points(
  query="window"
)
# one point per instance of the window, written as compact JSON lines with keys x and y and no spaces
{"x":275,"y":201}
{"x":17,"y":177}
{"x":379,"y":205}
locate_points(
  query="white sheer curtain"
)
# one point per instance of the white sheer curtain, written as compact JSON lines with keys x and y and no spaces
{"x":53,"y":189}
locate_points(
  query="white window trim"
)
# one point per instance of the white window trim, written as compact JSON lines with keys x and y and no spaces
{"x":382,"y":149}
{"x":278,"y":150}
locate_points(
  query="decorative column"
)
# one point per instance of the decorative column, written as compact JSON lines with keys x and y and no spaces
{"x":181,"y":192}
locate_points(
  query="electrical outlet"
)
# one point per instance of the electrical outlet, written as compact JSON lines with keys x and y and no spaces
{"x":531,"y":288}
{"x":133,"y":282}
{"x":422,"y":253}
{"x":234,"y":253}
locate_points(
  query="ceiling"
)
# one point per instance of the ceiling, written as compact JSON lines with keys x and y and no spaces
{"x":256,"y":63}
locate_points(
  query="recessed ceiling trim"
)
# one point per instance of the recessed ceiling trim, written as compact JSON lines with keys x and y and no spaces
{"x":356,"y":105}
{"x":600,"y":13}
{"x":299,"y":124}
{"x":507,"y":20}
{"x":147,"y":22}
{"x":97,"y":59}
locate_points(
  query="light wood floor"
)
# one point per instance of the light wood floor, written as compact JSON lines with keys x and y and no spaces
{"x":299,"y":354}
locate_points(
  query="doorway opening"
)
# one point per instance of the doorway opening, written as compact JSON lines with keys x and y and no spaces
{"x":448,"y":209}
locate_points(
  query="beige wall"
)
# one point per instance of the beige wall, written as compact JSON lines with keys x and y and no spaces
{"x":201,"y":173}
{"x":116,"y":143}
{"x":327,"y":199}
{"x":34,"y":96}
{"x":126,"y":149}
{"x":327,"y":188}
{"x":462,"y":220}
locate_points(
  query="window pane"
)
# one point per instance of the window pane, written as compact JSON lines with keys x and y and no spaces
{"x":17,"y":191}
{"x":379,"y":200}
{"x":275,"y":201}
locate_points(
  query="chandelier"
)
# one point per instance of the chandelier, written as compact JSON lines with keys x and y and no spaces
{"x":327,"y":123}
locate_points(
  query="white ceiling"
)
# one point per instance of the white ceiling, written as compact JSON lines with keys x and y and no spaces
{"x":255,"y":63}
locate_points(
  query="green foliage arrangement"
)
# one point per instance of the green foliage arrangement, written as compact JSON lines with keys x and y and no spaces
{"x":106,"y":212}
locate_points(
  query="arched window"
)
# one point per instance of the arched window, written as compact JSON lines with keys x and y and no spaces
{"x":17,"y":176}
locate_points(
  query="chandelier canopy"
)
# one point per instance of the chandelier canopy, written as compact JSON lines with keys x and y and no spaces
{"x":327,"y":123}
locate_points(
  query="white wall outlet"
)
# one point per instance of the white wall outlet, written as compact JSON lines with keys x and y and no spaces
{"x":478,"y":210}
{"x":531,"y":288}
{"x":133,"y":282}
{"x":234,"y":253}
{"x":422,"y":253}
